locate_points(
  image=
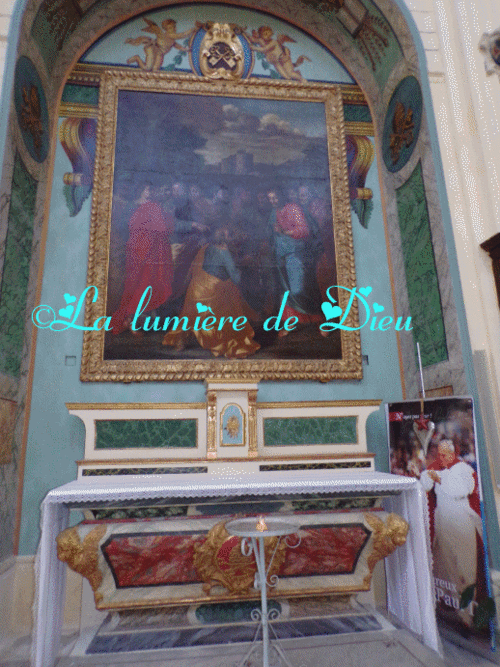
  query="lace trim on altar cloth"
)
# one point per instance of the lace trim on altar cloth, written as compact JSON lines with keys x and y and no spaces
{"x":169,"y":486}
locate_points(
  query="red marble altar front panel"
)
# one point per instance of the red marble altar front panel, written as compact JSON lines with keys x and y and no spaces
{"x":166,"y":558}
{"x":325,"y":550}
{"x":154,"y":559}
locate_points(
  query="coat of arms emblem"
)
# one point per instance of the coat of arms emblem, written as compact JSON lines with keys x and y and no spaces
{"x":221,"y":52}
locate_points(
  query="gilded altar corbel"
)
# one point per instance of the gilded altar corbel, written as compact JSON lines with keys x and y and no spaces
{"x":386,"y":538}
{"x":82,"y":556}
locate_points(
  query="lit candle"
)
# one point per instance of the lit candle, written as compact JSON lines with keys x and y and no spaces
{"x":261,"y":524}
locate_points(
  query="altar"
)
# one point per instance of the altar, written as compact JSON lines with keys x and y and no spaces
{"x":408,"y":573}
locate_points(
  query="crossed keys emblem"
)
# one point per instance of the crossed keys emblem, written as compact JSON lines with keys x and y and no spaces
{"x":221,"y":52}
{"x":222,"y":55}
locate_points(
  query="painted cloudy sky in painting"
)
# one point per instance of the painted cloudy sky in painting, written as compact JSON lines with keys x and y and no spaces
{"x":274,"y":131}
{"x":154,"y":129}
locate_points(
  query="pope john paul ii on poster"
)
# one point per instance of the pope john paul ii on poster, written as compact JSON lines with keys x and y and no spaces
{"x":438,"y":447}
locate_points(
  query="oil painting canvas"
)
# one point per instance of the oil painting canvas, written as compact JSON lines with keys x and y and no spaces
{"x":226,"y":214}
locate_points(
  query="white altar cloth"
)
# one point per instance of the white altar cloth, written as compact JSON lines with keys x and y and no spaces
{"x":410,"y":588}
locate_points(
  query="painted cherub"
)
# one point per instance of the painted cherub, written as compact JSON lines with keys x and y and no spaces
{"x":156,"y":49}
{"x":276,"y":53}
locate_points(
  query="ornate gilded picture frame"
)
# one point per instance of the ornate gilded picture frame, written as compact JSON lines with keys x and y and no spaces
{"x":220,"y":218}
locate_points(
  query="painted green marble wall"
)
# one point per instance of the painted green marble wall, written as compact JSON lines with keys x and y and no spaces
{"x":13,"y":294}
{"x":16,"y":268}
{"x":420,"y":268}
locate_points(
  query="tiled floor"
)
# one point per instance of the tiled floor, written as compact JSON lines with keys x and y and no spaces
{"x":393,"y":648}
{"x":313,"y":632}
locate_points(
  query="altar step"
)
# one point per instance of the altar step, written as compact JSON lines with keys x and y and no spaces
{"x":234,"y":634}
{"x":386,"y":648}
{"x":327,"y":633}
{"x":227,"y":623}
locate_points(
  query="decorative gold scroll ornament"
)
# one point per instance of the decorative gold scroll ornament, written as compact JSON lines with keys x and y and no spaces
{"x":221,"y":53}
{"x":386,"y":538}
{"x":233,"y":426}
{"x":219,"y":561}
{"x":82,"y":557}
{"x":402,"y":134}
{"x":31,"y":116}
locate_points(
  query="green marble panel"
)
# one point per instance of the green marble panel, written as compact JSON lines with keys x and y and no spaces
{"x":285,"y":431}
{"x":314,"y":466}
{"x":16,"y":269}
{"x":139,"y":512}
{"x":334,"y":504}
{"x":151,"y":433}
{"x":75,"y":94}
{"x":357,"y":113}
{"x":420,"y":268}
{"x":231,"y":612}
{"x":103,"y":472}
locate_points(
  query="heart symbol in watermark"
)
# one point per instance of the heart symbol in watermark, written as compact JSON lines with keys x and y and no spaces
{"x":69,"y":299}
{"x":377,"y":308}
{"x":201,"y":308}
{"x":365,"y":291}
{"x":330,"y":311}
{"x":66,"y":312}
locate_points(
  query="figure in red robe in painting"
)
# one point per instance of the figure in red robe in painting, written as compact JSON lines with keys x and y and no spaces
{"x":148,"y":260}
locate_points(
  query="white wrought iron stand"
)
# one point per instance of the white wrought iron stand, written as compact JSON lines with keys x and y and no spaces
{"x":253,"y":542}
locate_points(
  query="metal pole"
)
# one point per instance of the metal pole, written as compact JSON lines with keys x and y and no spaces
{"x":421,"y":372}
{"x":261,"y":566}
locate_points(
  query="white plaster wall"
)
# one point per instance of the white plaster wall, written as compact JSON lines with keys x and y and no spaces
{"x":17,"y":592}
{"x":6,"y":9}
{"x":467,"y":108}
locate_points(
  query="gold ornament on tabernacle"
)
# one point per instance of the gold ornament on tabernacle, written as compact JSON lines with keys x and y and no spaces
{"x":233,"y":426}
{"x":211,"y":425}
{"x":252,"y":423}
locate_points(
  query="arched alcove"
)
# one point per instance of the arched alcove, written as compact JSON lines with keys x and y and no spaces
{"x":376,"y":46}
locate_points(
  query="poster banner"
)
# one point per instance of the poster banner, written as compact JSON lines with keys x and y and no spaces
{"x":437,"y":445}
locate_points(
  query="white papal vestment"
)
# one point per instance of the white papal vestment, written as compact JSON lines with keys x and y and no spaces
{"x":455,"y":525}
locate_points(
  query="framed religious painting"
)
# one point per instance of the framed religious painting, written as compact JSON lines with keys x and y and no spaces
{"x":221,"y":240}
